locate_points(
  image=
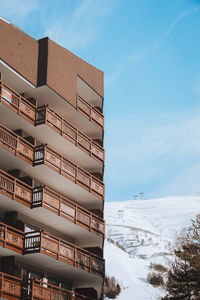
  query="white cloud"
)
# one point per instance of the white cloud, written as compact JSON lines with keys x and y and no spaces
{"x":17,"y":9}
{"x":137,"y":57}
{"x":141,"y":55}
{"x":111,"y":78}
{"x":81,"y":27}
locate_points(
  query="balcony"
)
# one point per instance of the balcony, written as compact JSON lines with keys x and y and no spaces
{"x":83,"y":115}
{"x":75,"y":144}
{"x":42,"y":290}
{"x":45,"y":197}
{"x":90,"y":112}
{"x":10,"y":239}
{"x":54,"y":255}
{"x":15,"y":189}
{"x":47,"y":244}
{"x":16,"y":145}
{"x":10,"y":287}
{"x":17,"y":103}
{"x":16,"y":111}
{"x":45,"y":155}
{"x":78,"y":115}
{"x":51,"y":208}
{"x":52,"y":169}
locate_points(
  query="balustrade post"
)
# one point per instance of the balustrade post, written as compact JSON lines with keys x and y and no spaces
{"x":19,"y":104}
{"x":62,"y":122}
{"x":5,"y":235}
{"x":76,"y":174}
{"x":90,"y":146}
{"x":17,"y":143}
{"x":77,"y":137}
{"x":61,"y":164}
{"x":58,"y":254}
{"x":90,"y":184}
{"x":76,"y":215}
{"x":90,"y":113}
{"x":14,"y":188}
{"x":60,"y":201}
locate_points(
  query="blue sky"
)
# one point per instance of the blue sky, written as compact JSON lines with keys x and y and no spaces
{"x":149,"y":51}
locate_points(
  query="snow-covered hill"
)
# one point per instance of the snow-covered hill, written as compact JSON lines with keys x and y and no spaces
{"x":140,"y":232}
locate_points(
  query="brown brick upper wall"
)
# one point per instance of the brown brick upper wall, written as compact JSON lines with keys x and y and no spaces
{"x":19,"y":51}
{"x":44,"y":62}
{"x":63,"y":68}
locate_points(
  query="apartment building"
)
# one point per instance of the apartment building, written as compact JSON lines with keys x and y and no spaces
{"x":51,"y":171}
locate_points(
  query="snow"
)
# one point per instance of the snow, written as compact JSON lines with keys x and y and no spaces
{"x":147,"y":230}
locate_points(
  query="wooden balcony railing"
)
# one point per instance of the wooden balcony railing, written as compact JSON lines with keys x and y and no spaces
{"x":15,"y":189}
{"x":15,"y":144}
{"x":11,"y":238}
{"x":46,"y":115}
{"x":23,"y":107}
{"x":43,"y":242}
{"x":45,"y":197}
{"x":62,"y":206}
{"x":45,"y":155}
{"x":17,"y":102}
{"x":45,"y":291}
{"x":10,"y":287}
{"x":90,"y":112}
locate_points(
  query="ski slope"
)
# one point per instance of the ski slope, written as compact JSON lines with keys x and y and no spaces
{"x":146,"y":229}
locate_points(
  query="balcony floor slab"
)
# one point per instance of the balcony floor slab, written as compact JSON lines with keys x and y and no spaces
{"x":47,"y":263}
{"x":51,"y":178}
{"x":45,"y":95}
{"x":45,"y":134}
{"x":59,"y":225}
